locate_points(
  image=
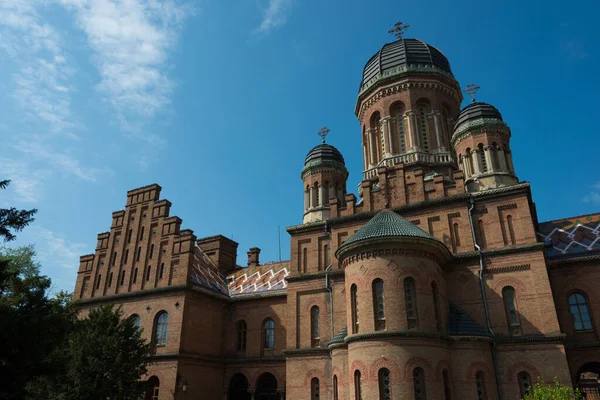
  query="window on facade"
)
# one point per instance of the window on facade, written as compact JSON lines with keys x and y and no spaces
{"x":317,"y":199}
{"x":480,"y":385}
{"x":110,"y":276}
{"x":357,"y":388}
{"x":129,"y":235}
{"x":241,"y":335}
{"x":580,"y":312}
{"x":304,"y":260}
{"x":484,"y":166}
{"x":354,"y":308}
{"x":481,"y":235}
{"x":126,"y":256}
{"x":511,"y":230}
{"x":114,"y":258}
{"x":161,"y":328}
{"x":148,"y":271}
{"x":269,"y":334}
{"x":151,"y":250}
{"x":423,"y":127}
{"x":436,"y":306}
{"x":401,"y":133}
{"x":315,"y":389}
{"x":161,"y":271}
{"x":524,"y":383}
{"x":135,"y":271}
{"x":378,"y":306}
{"x":142,"y":233}
{"x":122,"y":277}
{"x":335,"y":388}
{"x":153,"y":389}
{"x":456,"y":235}
{"x":136,"y":320}
{"x":315,"y":340}
{"x":98,"y":281}
{"x":510,"y":308}
{"x":383,"y":377}
{"x":446,"y":381}
{"x":326,"y":254}
{"x":410,"y":298}
{"x":419,"y":383}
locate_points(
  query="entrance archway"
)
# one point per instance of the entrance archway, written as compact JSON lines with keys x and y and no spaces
{"x":152,"y":390}
{"x":588,"y":380}
{"x":238,"y":388}
{"x":266,"y":387}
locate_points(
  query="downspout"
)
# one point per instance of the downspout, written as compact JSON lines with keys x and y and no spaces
{"x":484,"y":298}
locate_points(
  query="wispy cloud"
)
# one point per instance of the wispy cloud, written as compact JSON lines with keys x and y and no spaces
{"x":594,"y":195}
{"x":275,"y":15}
{"x":26,"y":184}
{"x":55,"y":249}
{"x":573,"y":49}
{"x":131,"y":40}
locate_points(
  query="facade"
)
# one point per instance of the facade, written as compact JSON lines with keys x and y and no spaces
{"x":436,"y":282}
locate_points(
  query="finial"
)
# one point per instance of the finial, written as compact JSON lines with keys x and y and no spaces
{"x":323,"y":132}
{"x":399,"y":29}
{"x":471,"y":89}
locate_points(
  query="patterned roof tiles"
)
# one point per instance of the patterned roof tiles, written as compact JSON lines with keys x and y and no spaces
{"x":571,"y":236}
{"x":262,"y":278}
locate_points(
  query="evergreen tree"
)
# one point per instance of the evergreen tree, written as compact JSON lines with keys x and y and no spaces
{"x":12,"y":219}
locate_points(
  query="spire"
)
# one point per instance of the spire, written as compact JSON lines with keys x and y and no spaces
{"x":471,"y":89}
{"x":398,"y":29}
{"x":323,"y":133}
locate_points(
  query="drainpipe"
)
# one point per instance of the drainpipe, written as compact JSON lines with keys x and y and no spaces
{"x":485,"y":304}
{"x":327,"y":286}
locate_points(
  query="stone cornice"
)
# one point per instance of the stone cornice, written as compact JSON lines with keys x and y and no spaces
{"x":556,"y":337}
{"x":315,"y":275}
{"x":375,"y":253}
{"x":412,"y":334}
{"x":258,"y":295}
{"x":582,"y":345}
{"x":310,"y":351}
{"x":565,"y":259}
{"x":521,"y":248}
{"x":507,"y":269}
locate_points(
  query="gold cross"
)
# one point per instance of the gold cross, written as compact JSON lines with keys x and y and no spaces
{"x":323,"y":132}
{"x":471,"y":89}
{"x":399,"y":29}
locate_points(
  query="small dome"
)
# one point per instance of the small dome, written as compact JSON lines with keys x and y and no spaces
{"x":404,"y":53}
{"x":324,"y":152}
{"x":477,"y":110}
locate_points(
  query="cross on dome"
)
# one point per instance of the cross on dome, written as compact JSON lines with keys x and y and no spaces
{"x":471,"y":89}
{"x":323,"y":132}
{"x":399,"y":29}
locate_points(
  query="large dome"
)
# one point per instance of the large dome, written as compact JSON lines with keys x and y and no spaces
{"x":477,"y":110}
{"x":404,"y":53}
{"x":324,"y":152}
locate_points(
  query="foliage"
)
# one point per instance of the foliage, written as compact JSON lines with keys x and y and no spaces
{"x":13,"y":219}
{"x":555,"y":391}
{"x":103,"y":357}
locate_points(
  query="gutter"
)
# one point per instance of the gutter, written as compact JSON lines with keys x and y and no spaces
{"x":485,"y":304}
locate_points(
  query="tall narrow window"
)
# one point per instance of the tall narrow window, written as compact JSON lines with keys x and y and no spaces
{"x":126,"y":256}
{"x":98,"y":281}
{"x":317,"y":199}
{"x":378,"y":307}
{"x":481,"y":235}
{"x":269,"y":334}
{"x":484,"y":166}
{"x":153,"y":389}
{"x":423,"y":127}
{"x":161,"y":328}
{"x":129,"y":235}
{"x":510,"y":308}
{"x":315,"y":389}
{"x":383,"y":377}
{"x":139,"y":253}
{"x":110,"y":276}
{"x":135,"y":271}
{"x":304,"y":260}
{"x":579,"y":310}
{"x":524,"y":383}
{"x":335,"y":388}
{"x":241,"y":335}
{"x":436,"y":306}
{"x":136,"y":320}
{"x":161,"y":271}
{"x":142,"y":233}
{"x":114,"y":258}
{"x":410,"y":298}
{"x":446,"y":381}
{"x":148,"y":271}
{"x":456,"y":235}
{"x":401,"y":134}
{"x":480,"y":385}
{"x":357,"y":388}
{"x":419,"y":383}
{"x":511,"y":230}
{"x":151,"y":250}
{"x":122,"y":277}
{"x":326,"y":256}
{"x":354,"y":308}
{"x":315,"y":340}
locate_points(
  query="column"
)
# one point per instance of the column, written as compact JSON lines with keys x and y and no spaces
{"x":502,"y":159}
{"x":306,"y":199}
{"x":476,"y":161}
{"x":313,"y":197}
{"x":321,"y":195}
{"x":436,"y":120}
{"x":387,"y":133}
{"x":488,"y":158}
{"x":464,"y":159}
{"x":384,"y":138}
{"x":371,"y":153}
{"x":411,"y":141}
{"x":365,"y":161}
{"x":332,"y":191}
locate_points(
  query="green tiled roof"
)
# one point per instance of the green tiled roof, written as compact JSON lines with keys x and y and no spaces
{"x":339,"y":337}
{"x":385,"y":224}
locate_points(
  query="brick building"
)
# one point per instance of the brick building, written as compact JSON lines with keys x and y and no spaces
{"x":436,"y":282}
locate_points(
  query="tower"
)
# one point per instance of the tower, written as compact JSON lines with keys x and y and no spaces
{"x":481,"y":140}
{"x":324,"y":176}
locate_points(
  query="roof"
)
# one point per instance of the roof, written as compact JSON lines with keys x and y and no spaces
{"x":571,"y":236}
{"x":477,"y":110}
{"x":339,"y":337}
{"x":324,"y":151}
{"x":404,"y":53}
{"x":386,"y":224}
{"x":259,"y":279}
{"x":460,"y":323}
{"x":206,"y":274}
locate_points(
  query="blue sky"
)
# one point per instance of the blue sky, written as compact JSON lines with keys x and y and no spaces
{"x":219,"y":102}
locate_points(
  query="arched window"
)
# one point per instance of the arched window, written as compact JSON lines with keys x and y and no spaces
{"x":580,"y":312}
{"x":510,"y":308}
{"x":153,"y":389}
{"x":326,"y":193}
{"x":304,"y":260}
{"x":317,"y":199}
{"x":436,"y":306}
{"x":135,"y":272}
{"x":410,"y":299}
{"x":446,"y":381}
{"x":494,"y":156}
{"x":511,"y":230}
{"x":315,"y":340}
{"x":136,"y":320}
{"x":480,"y":384}
{"x":148,"y":271}
{"x":423,"y":125}
{"x":122,"y":277}
{"x":160,"y":328}
{"x":335,"y":388}
{"x":419,"y":383}
{"x":383,"y":377}
{"x":326,"y":256}
{"x":481,"y":234}
{"x":354,"y":308}
{"x":482,"y":160}
{"x":524,"y":383}
{"x":357,"y":388}
{"x":269,"y":334}
{"x":378,"y":308}
{"x":376,"y":141}
{"x":161,"y":271}
{"x":151,"y":250}
{"x":241,"y":335}
{"x":315,"y":389}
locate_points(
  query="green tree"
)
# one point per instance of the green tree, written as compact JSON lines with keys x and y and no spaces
{"x":555,"y":391}
{"x":103,"y":357}
{"x":12,"y":219}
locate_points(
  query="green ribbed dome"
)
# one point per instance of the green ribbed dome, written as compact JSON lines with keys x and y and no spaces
{"x":386,"y":224}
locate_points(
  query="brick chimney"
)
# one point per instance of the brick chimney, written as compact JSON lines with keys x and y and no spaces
{"x":253,"y":256}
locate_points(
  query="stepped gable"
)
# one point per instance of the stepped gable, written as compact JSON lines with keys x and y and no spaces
{"x":571,"y":236}
{"x":259,"y":279}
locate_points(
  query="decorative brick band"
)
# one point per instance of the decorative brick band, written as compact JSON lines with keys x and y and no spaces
{"x":507,"y":269}
{"x":507,"y":207}
{"x":433,"y":219}
{"x":560,"y":337}
{"x":366,"y":255}
{"x":454,"y":215}
{"x":416,"y":222}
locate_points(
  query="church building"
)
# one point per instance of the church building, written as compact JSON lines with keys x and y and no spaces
{"x":434,"y":281}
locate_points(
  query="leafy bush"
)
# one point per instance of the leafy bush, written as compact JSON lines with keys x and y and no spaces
{"x":555,"y":391}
